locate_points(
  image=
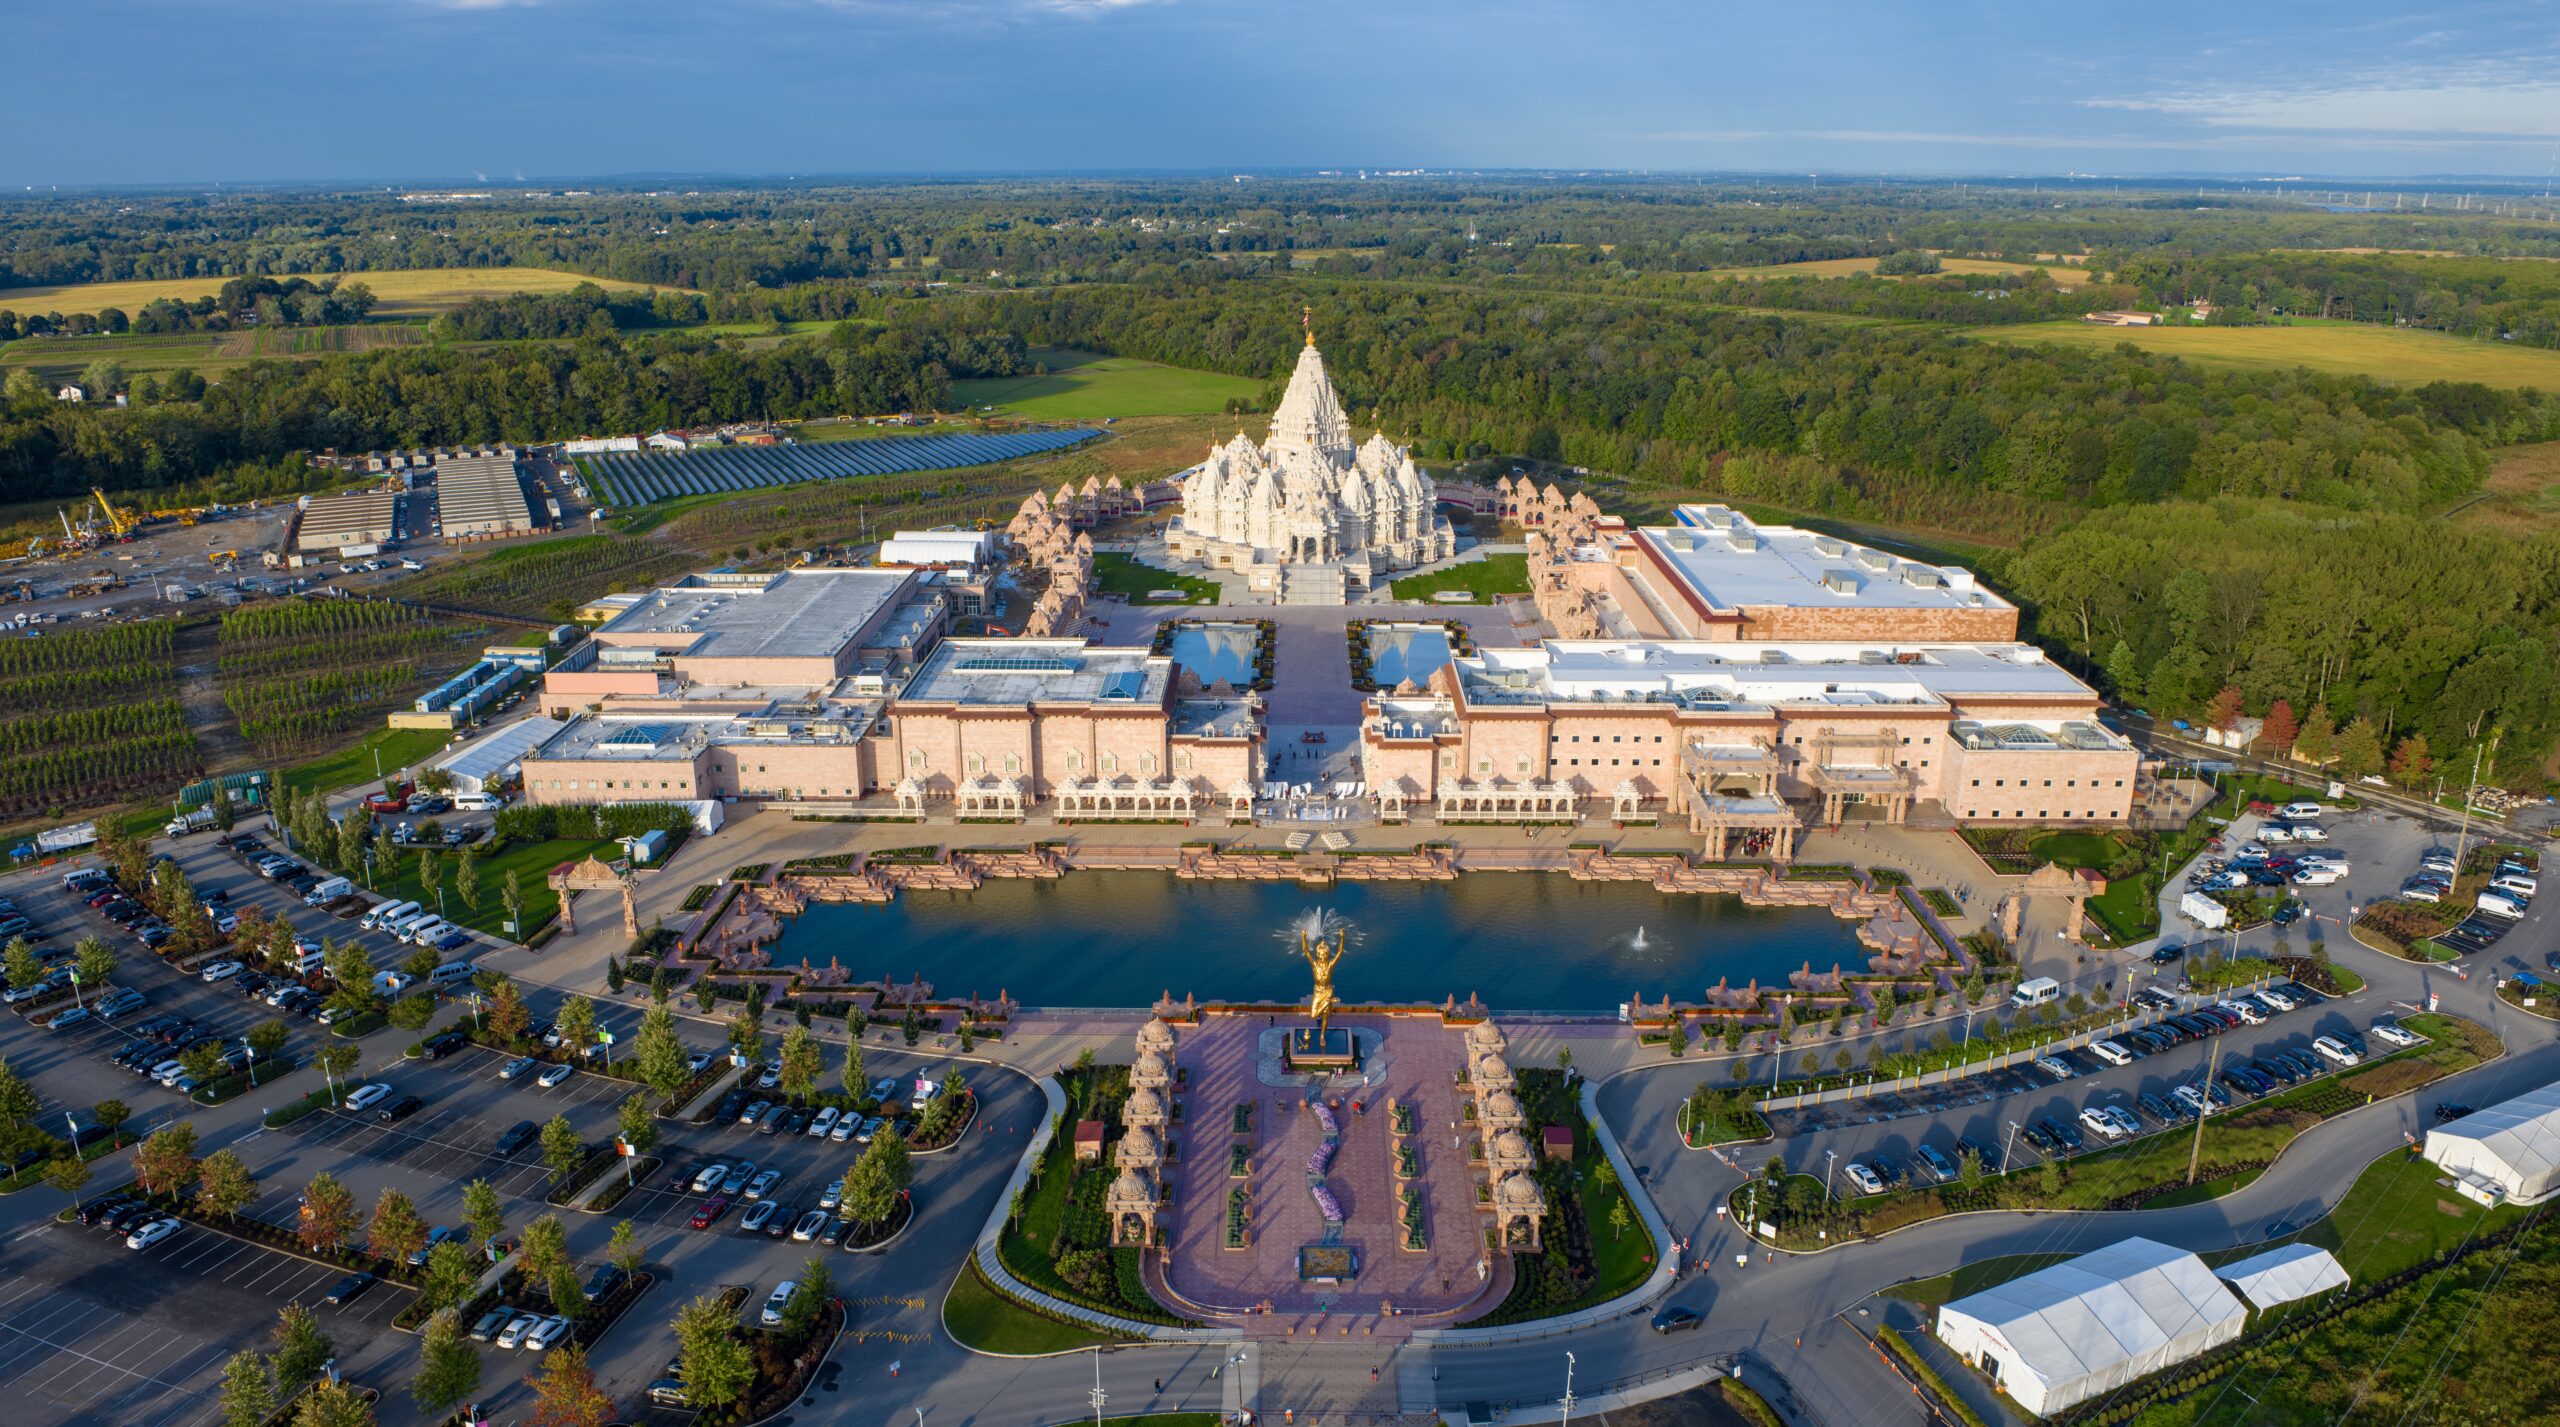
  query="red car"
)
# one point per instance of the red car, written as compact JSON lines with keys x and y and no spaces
{"x":710,"y":1212}
{"x":389,"y":802}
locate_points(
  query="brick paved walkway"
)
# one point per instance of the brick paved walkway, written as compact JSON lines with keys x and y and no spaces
{"x":1416,"y":1062}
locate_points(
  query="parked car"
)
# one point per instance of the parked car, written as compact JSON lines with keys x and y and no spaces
{"x":545,"y":1333}
{"x":1936,"y":1161}
{"x":221,"y":971}
{"x":1867,"y":1180}
{"x":757,"y":1216}
{"x":809,"y":1226}
{"x":365,"y":1097}
{"x":2097,"y":1119}
{"x":348,"y":1289}
{"x":515,"y":1331}
{"x":764,"y":1184}
{"x":490,"y":1322}
{"x":2333,"y":1049}
{"x":556,"y":1076}
{"x":708,"y":1212}
{"x":710,"y":1177}
{"x":739,"y":1174}
{"x":2391,"y":1032}
{"x":775,"y":1301}
{"x":517,"y":1067}
{"x":151,"y":1232}
{"x":399,"y":1109}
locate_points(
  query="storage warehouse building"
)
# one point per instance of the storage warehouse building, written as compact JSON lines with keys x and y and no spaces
{"x":333,"y":522}
{"x":481,"y":495}
{"x":2070,"y":1332}
{"x":2507,"y":1153}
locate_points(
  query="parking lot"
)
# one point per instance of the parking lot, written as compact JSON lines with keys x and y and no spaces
{"x":91,"y":1331}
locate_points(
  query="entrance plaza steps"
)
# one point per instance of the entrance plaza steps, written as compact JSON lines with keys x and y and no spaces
{"x":1313,"y":585}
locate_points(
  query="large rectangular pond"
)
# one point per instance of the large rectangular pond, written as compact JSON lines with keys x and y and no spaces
{"x":1398,"y":652}
{"x":1216,"y":651}
{"x":1526,"y":942}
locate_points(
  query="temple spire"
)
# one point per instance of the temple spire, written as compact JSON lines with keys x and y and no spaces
{"x":1307,"y":320}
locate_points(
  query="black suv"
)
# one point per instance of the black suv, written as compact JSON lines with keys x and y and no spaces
{"x":438,"y":1047}
{"x":517,"y":1136}
{"x":399,"y":1109}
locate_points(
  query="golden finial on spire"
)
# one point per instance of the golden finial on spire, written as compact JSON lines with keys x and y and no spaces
{"x":1307,"y":320}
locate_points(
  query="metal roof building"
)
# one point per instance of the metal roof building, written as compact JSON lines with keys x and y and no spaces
{"x":481,"y":495}
{"x":2283,"y":1275}
{"x":2070,"y":1332}
{"x":2504,"y":1153}
{"x":332,"y":522}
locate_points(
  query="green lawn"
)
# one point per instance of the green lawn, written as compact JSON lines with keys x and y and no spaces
{"x":1493,"y":575}
{"x":981,"y":1318}
{"x":2075,"y":849}
{"x":353,"y":765}
{"x":2401,"y":1211}
{"x":1087,"y":385}
{"x":1117,"y":574}
{"x":2365,"y":349}
{"x":532,"y":862}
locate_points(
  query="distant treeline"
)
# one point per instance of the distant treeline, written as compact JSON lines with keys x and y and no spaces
{"x":243,"y":301}
{"x":1671,"y":392}
{"x":2513,"y":299}
{"x":442,"y":395}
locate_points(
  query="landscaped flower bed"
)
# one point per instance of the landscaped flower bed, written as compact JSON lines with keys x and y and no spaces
{"x":1244,"y":1119}
{"x":615,"y":1192}
{"x":1408,"y":1163}
{"x":1239,"y":1160}
{"x":1238,"y":1234}
{"x":1405,"y":1120}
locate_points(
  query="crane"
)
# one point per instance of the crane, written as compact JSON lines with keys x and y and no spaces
{"x":120,"y":523}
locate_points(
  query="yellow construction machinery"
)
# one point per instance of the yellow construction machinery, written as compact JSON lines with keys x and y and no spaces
{"x":120,"y":522}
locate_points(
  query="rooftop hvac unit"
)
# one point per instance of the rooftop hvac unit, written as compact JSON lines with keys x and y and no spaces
{"x":1773,"y":656}
{"x":1744,"y":541}
{"x":1680,"y":540}
{"x":1924,"y":577}
{"x":1875,"y":559}
{"x":1830,"y":545}
{"x":1840,"y":582}
{"x":1874,"y":656}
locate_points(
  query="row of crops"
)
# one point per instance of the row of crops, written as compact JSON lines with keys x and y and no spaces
{"x":302,"y":672}
{"x":91,"y":715}
{"x":622,"y":478}
{"x":551,"y":579}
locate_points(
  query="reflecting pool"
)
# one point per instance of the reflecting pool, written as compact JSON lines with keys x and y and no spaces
{"x":1527,"y":942}
{"x":1398,"y":652}
{"x":1216,"y":651}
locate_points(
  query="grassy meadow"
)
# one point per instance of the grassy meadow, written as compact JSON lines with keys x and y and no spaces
{"x":2391,"y":354}
{"x":1085,"y":386}
{"x":2063,"y":274}
{"x":402,"y":292}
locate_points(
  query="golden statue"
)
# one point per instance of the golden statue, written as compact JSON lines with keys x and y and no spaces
{"x":1313,"y":949}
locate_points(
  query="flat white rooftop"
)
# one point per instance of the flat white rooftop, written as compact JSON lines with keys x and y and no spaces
{"x":1577,"y":670}
{"x":1732,"y":564}
{"x":795,"y":614}
{"x":1021,"y":672}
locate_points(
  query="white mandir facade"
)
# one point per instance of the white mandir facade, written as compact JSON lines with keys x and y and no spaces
{"x":1307,"y":502}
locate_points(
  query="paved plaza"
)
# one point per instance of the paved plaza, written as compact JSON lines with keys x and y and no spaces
{"x":1415,"y":1063}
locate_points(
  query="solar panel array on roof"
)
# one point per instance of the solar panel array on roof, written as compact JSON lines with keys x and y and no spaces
{"x":638,"y":735}
{"x":1016,"y":664}
{"x":629,"y":478}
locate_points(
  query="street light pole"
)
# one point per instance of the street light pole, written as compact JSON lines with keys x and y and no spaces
{"x":1827,"y":1157}
{"x":1567,"y":1419}
{"x":1099,"y":1396}
{"x":2008,"y":1145}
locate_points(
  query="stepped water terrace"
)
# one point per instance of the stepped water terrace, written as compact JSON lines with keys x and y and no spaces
{"x":1118,"y":938}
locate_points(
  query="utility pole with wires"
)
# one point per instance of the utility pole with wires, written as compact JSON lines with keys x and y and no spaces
{"x":2204,"y":1110}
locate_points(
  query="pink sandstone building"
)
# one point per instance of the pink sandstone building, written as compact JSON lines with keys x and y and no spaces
{"x":1727,"y":675}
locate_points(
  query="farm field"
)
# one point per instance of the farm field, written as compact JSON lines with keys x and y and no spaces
{"x":2522,"y":492}
{"x":1088,"y":386}
{"x":2389,"y":354}
{"x":300,"y":674}
{"x":2063,"y":274}
{"x":88,"y":715}
{"x":208,"y":354}
{"x":401,"y":292}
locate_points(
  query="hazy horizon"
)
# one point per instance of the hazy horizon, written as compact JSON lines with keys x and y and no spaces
{"x":163,"y":93}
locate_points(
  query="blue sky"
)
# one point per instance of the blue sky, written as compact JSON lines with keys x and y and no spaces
{"x":137,"y":91}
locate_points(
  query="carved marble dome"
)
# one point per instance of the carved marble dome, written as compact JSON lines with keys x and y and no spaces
{"x":1307,"y":495}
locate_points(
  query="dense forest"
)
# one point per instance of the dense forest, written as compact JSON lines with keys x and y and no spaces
{"x":2186,"y":529}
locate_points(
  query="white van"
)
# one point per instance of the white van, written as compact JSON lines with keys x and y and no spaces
{"x":2499,"y":904}
{"x":452,"y":973}
{"x":2299,"y":810}
{"x":2514,"y":884}
{"x":422,"y":932}
{"x":381,"y":918}
{"x":2317,"y":875}
{"x":309,"y":962}
{"x":399,"y":926}
{"x":477,"y":802}
{"x":2036,"y":993}
{"x":329,"y":890}
{"x":87,"y":879}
